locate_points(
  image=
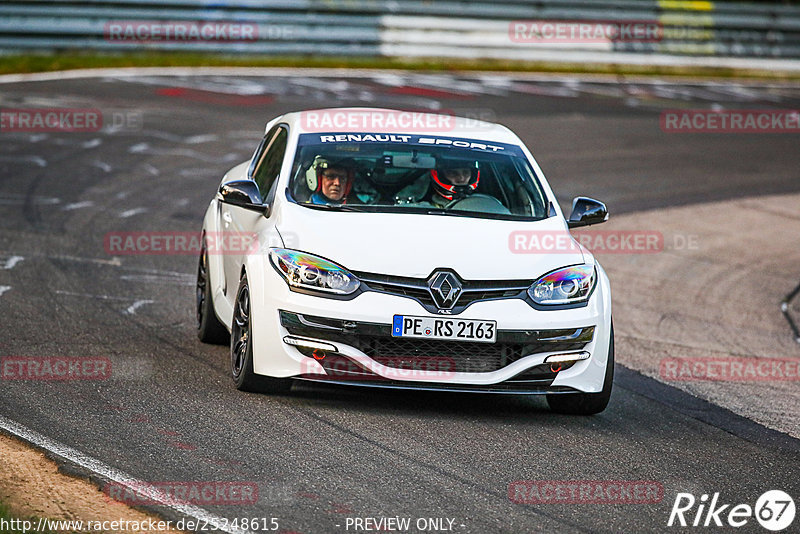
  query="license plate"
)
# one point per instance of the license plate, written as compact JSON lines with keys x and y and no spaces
{"x":444,"y":328}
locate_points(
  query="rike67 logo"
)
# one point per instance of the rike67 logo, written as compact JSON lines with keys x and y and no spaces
{"x":774,"y":510}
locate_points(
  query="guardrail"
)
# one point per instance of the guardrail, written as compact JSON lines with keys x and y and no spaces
{"x":415,"y":28}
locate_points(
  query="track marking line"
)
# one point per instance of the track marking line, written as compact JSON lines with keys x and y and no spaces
{"x":131,"y":310}
{"x":114,"y":262}
{"x":151,"y":170}
{"x":78,"y":205}
{"x":93,"y":143}
{"x":183,"y":279}
{"x":102,"y":165}
{"x":11,"y":262}
{"x":89,"y":296}
{"x":130,"y":213}
{"x":203,"y":138}
{"x":110,"y":474}
{"x":36,"y":160}
{"x":3,"y":289}
{"x":145,"y":148}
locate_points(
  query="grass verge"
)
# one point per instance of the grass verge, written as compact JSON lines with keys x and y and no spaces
{"x":27,"y":63}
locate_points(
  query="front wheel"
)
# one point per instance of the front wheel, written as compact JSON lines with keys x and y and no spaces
{"x":242,"y":349}
{"x":209,"y":328}
{"x":587,"y":403}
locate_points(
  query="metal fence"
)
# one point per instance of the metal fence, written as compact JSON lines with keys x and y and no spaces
{"x":415,"y":28}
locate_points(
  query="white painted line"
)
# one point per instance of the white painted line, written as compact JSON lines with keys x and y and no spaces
{"x":36,"y":160}
{"x":111,"y":475}
{"x":160,"y":272}
{"x":114,"y":261}
{"x":138,"y":304}
{"x":198,"y":172}
{"x":130,"y":213}
{"x":3,"y":289}
{"x":181,"y":279}
{"x":145,"y":148}
{"x":197,"y":139}
{"x":138,"y":148}
{"x":89,"y":295}
{"x":11,"y":262}
{"x":102,"y":165}
{"x":78,"y":205}
{"x":150,"y":169}
{"x":93,"y":143}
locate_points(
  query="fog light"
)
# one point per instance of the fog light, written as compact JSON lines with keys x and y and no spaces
{"x":310,"y":344}
{"x":567,"y":357}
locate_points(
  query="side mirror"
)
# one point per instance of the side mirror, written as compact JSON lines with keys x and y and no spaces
{"x":586,"y":211}
{"x":242,"y":193}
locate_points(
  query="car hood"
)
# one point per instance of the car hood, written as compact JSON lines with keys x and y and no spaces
{"x":415,"y":245}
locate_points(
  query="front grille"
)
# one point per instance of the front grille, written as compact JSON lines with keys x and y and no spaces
{"x":455,"y":356}
{"x":460,"y":357}
{"x":419,"y":293}
{"x":417,"y":289}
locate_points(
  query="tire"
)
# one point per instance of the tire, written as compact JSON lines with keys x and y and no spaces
{"x":242,"y":349}
{"x":209,"y":328}
{"x":587,"y":403}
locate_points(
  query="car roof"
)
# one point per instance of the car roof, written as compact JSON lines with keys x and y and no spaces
{"x":393,"y":121}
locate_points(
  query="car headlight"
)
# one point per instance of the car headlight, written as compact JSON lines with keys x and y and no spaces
{"x":312,"y":272}
{"x":568,"y":285}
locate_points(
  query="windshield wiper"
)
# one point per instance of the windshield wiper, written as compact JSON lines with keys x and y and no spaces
{"x":453,"y":213}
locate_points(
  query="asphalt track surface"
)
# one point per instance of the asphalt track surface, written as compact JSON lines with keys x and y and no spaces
{"x":169,"y":411}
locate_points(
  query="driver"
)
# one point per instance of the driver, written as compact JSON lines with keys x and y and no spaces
{"x":330,"y":181}
{"x":453,"y":180}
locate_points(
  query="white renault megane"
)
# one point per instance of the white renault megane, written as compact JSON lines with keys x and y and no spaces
{"x":395,"y":249}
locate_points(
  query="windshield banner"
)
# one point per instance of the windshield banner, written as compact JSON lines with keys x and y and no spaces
{"x":425,"y":141}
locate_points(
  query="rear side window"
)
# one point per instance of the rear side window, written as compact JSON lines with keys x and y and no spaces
{"x":268,"y":165}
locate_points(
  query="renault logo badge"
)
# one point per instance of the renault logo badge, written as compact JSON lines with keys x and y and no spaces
{"x":445,"y":289}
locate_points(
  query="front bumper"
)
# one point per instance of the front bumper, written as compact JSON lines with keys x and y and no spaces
{"x":366,"y":354}
{"x":391,"y":361}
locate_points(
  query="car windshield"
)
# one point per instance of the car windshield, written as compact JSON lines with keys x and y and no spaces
{"x":403,"y":173}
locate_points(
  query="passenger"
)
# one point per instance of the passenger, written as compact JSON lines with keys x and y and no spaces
{"x":330,"y":182}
